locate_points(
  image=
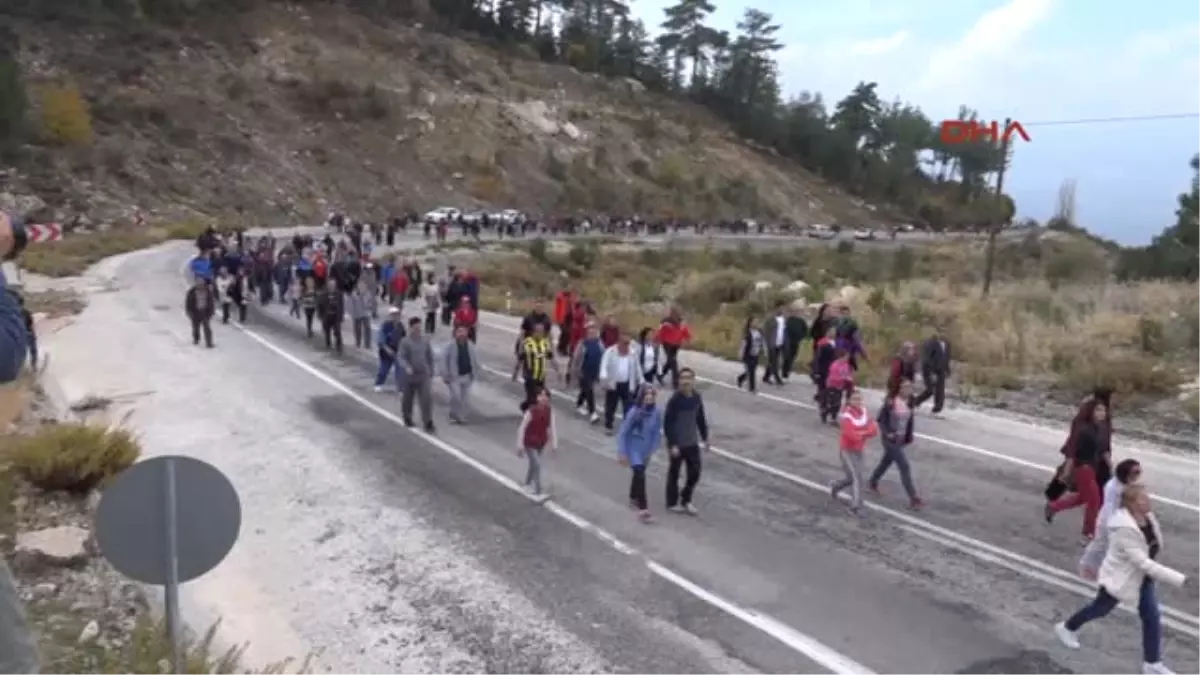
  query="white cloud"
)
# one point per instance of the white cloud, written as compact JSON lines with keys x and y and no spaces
{"x":995,"y":35}
{"x":879,"y":46}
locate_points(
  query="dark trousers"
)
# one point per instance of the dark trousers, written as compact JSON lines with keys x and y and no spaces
{"x":447,"y":314}
{"x":309,"y":312}
{"x":202,"y":325}
{"x":1148,"y":612}
{"x":620,"y":393}
{"x":532,"y":387}
{"x":771,"y":370}
{"x":671,"y":364}
{"x":33,"y":351}
{"x":790,"y":351}
{"x":690,"y":456}
{"x":830,"y":401}
{"x":750,"y":373}
{"x":430,"y":322}
{"x":564,"y":339}
{"x":332,"y":328}
{"x":226,"y":307}
{"x":637,"y":487}
{"x":935,"y":388}
{"x":587,"y":394}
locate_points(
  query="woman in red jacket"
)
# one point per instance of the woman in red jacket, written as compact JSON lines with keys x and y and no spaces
{"x":673,"y":334}
{"x":467,"y":317}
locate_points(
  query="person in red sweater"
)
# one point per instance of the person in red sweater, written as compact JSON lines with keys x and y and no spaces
{"x":673,"y":335}
{"x":579,"y":324}
{"x":399,"y":287}
{"x":564,"y":304}
{"x":466,"y":317}
{"x":857,"y":426}
{"x":537,"y":431}
{"x":610,"y":331}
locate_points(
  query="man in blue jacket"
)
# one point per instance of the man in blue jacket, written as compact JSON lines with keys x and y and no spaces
{"x":585,"y":368}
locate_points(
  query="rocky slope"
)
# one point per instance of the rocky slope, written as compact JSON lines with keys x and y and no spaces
{"x":285,"y":114}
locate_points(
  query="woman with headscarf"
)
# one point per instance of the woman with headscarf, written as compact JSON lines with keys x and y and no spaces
{"x":1093,"y":449}
{"x":638,"y":439}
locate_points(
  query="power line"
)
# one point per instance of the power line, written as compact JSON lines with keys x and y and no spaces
{"x":1111,"y":120}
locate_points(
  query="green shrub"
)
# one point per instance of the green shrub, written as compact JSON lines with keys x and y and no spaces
{"x":74,"y":457}
{"x":538,"y":250}
{"x":584,"y":254}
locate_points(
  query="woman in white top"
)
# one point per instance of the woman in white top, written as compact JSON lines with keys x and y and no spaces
{"x":1128,"y":574}
{"x":1129,"y":471}
{"x":648,"y":350}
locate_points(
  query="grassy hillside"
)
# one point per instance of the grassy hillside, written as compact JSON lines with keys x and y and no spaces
{"x":283,"y":113}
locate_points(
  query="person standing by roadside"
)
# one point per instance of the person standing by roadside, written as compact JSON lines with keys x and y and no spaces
{"x":331,"y":307}
{"x":200,"y":305}
{"x":536,"y":432}
{"x":1093,"y":447}
{"x":640,"y":434}
{"x":1128,"y":472}
{"x":673,"y":335}
{"x":896,"y":433}
{"x":935,"y":370}
{"x":358,"y":305}
{"x":775,"y":340}
{"x":750,"y":351}
{"x":585,"y":368}
{"x":308,"y":303}
{"x":685,"y":426}
{"x":415,"y":356}
{"x":796,"y":331}
{"x":460,"y":367}
{"x":387,"y":339}
{"x":621,"y":376}
{"x":1128,"y":574}
{"x":857,"y":428}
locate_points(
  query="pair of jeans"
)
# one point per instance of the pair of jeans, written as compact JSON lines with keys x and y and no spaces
{"x":621,"y":394}
{"x":671,"y":364}
{"x":852,"y":468}
{"x":637,"y":487}
{"x":750,"y":373}
{"x":587,"y":394}
{"x":688,"y":456}
{"x":893,"y":453}
{"x":387,"y":363}
{"x":1148,"y":612}
{"x":533,"y":476}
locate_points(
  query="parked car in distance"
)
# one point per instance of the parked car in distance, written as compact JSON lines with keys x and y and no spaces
{"x":822,"y":232}
{"x":474,"y":217}
{"x":863,"y":234}
{"x":507,"y":216}
{"x":442,"y":214}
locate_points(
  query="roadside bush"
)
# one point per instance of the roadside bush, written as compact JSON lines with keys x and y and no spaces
{"x":188,"y":230}
{"x":584,"y":254}
{"x":65,"y":116}
{"x":73,"y":457}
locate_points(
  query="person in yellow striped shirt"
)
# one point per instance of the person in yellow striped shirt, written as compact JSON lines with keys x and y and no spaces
{"x":535,"y":357}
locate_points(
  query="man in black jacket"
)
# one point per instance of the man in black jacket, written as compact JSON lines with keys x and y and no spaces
{"x":200,"y":304}
{"x":796,"y":330}
{"x":935,"y":369}
{"x":331,"y":309}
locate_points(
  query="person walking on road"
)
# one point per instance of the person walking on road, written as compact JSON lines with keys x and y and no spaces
{"x":648,"y":356}
{"x":200,"y":305}
{"x":750,"y":350}
{"x":896,"y":433}
{"x":857,"y":428}
{"x":387,"y":339}
{"x":433,"y":299}
{"x":460,"y":367}
{"x":621,"y":376}
{"x":585,"y":368}
{"x":331,"y":307}
{"x":415,"y":356}
{"x":935,"y":370}
{"x":534,"y":358}
{"x":1093,"y":448}
{"x":673,"y":335}
{"x":796,"y":330}
{"x":775,"y":340}
{"x":308,"y":303}
{"x":637,"y":440}
{"x":1128,"y":574}
{"x":358,"y":305}
{"x":536,"y":432}
{"x":1128,"y":472}
{"x":465,"y":316}
{"x":233,"y":294}
{"x":685,"y":426}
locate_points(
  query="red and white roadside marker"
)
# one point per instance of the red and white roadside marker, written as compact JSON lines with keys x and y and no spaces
{"x":39,"y":232}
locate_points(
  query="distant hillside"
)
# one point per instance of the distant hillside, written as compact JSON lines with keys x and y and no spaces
{"x":283,"y":113}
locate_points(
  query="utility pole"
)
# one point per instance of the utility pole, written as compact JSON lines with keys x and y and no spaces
{"x":995,"y":226}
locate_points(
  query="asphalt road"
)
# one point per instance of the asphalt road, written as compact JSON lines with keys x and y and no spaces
{"x":773,"y":575}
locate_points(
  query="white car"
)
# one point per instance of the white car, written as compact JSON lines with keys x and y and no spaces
{"x":442,"y":214}
{"x":821,"y":233}
{"x":863,"y":234}
{"x":507,"y":216}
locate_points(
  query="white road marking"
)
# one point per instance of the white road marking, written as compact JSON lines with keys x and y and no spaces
{"x":1011,"y":560}
{"x":925,"y":437}
{"x":790,"y":637}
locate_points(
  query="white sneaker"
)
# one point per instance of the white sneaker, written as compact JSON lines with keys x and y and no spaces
{"x":675,"y":509}
{"x":690,"y":510}
{"x":1156,"y":669}
{"x":1066,"y":635}
{"x":581,"y":410}
{"x":594,"y":418}
{"x":378,"y":389}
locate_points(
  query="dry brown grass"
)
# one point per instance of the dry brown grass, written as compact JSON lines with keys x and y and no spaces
{"x":1052,"y":322}
{"x":76,"y":252}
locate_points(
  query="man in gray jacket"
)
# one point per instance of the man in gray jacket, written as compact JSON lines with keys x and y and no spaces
{"x":460,"y":367}
{"x":415,"y":356}
{"x":775,"y":338}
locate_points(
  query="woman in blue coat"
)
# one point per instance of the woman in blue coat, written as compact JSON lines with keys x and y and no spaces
{"x":637,"y":440}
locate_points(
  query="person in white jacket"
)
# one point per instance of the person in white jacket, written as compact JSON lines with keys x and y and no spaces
{"x":1128,"y":471}
{"x":621,"y":376}
{"x":1128,"y":574}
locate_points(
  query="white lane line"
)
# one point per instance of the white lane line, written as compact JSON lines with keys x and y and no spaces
{"x":925,"y":437}
{"x":790,"y":637}
{"x":1030,"y":567}
{"x":1171,"y":619}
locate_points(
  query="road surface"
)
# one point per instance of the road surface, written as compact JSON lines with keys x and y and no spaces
{"x":394,"y":550}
